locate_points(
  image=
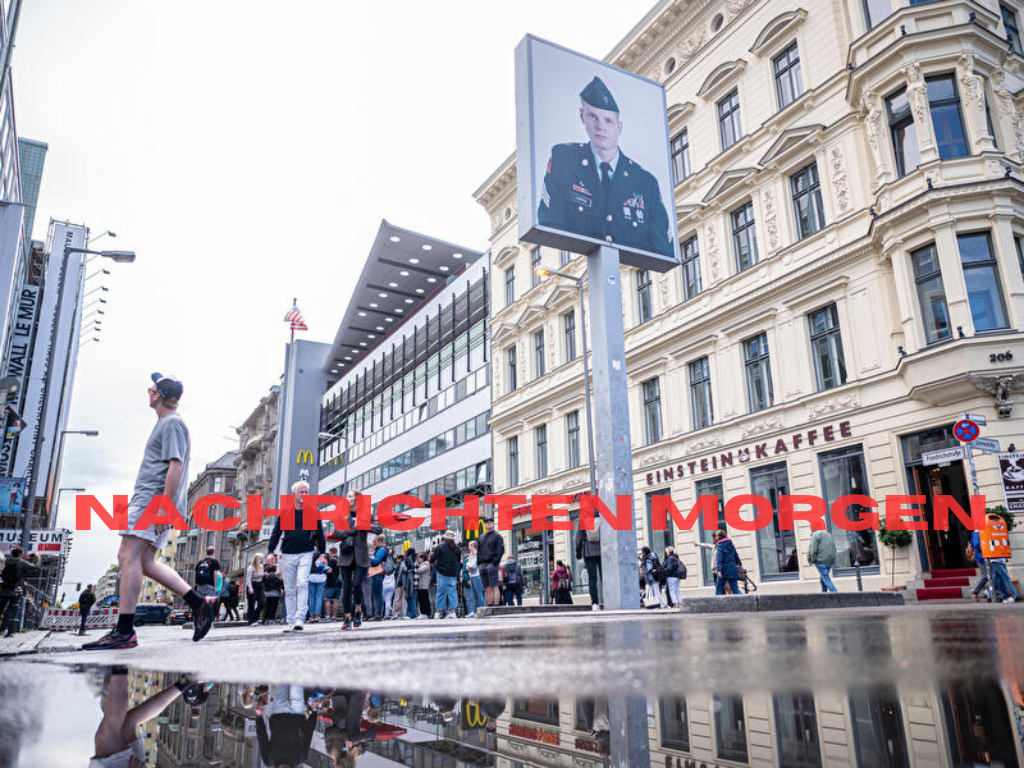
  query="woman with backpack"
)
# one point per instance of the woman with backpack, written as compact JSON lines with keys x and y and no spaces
{"x":561,"y":584}
{"x":727,"y":565}
{"x":675,"y":571}
{"x":654,"y":575}
{"x":376,"y":574}
{"x":475,"y":586}
{"x":513,"y":581}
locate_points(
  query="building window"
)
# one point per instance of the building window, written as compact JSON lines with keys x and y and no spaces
{"x":807,"y":207}
{"x":569,"y":324}
{"x":538,"y":354}
{"x":691,"y":269}
{"x":1012,"y":32}
{"x":903,"y":132}
{"x":564,"y":257}
{"x":982,"y":278}
{"x":534,"y":263}
{"x":776,"y":546}
{"x":652,"y":410}
{"x":844,"y":472}
{"x":701,"y":408}
{"x":946,"y":120}
{"x":730,"y":728}
{"x":675,"y":728}
{"x":572,"y":438}
{"x":513,"y":462}
{"x":931,"y":294}
{"x":878,"y":728}
{"x":658,"y":540}
{"x":729,"y":120}
{"x":827,"y":348}
{"x":788,"y":83}
{"x":711,"y":486}
{"x":537,"y":710}
{"x":510,"y":286}
{"x":540,"y":435}
{"x":744,"y":237}
{"x":1020,"y":253}
{"x":681,"y":155}
{"x":760,"y":394}
{"x":877,"y":11}
{"x":513,"y":380}
{"x":796,"y":725}
{"x":644,"y":297}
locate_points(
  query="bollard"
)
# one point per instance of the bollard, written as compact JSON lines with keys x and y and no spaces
{"x":856,"y":567}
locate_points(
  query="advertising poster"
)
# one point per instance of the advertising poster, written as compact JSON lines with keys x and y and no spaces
{"x":1011,"y":472}
{"x":12,"y":495}
{"x":593,"y":162}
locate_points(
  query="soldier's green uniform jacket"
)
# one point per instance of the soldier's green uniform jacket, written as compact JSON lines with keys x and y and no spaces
{"x":631,"y":215}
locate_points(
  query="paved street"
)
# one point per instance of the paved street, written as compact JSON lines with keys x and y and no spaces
{"x":590,"y":654}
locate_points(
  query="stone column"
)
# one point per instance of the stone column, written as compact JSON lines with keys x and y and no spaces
{"x":972,"y":101}
{"x":875,"y":126}
{"x":953,"y":278}
{"x":917,"y":95}
{"x":1009,"y":266}
{"x":906,"y":293}
{"x":1006,"y":116}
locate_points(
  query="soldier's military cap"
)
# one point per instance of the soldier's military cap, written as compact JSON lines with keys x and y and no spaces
{"x":596,"y":94}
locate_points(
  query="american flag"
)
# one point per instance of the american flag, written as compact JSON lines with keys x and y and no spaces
{"x":295,"y":317}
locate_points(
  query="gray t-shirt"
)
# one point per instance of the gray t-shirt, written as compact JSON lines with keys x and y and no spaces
{"x":168,"y":440}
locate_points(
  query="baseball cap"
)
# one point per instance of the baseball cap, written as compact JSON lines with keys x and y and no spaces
{"x":169,"y":386}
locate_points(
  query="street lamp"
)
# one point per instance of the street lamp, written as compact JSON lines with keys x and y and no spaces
{"x":60,"y":491}
{"x":545,"y":272}
{"x":104,"y":234}
{"x":120,"y":257}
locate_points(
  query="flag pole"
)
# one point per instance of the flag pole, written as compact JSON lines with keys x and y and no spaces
{"x":295,"y":303}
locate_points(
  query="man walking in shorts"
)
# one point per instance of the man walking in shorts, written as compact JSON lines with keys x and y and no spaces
{"x":163,"y":471}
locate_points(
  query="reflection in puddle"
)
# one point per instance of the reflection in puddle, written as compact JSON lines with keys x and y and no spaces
{"x":160,"y":719}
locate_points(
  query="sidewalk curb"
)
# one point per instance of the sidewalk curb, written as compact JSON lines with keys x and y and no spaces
{"x":28,"y":649}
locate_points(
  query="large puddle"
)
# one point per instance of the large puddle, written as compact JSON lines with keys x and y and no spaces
{"x":852,"y":693}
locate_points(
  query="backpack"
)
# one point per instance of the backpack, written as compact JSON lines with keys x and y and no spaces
{"x":595,"y":533}
{"x":657,"y":571}
{"x":511,"y":576}
{"x":203,"y":573}
{"x":389,"y":564}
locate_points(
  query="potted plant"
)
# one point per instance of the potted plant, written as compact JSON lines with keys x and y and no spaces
{"x":893,"y":539}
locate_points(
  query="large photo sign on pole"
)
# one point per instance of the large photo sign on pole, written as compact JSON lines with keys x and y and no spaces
{"x":593,"y":164}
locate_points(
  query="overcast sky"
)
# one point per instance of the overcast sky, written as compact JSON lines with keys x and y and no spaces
{"x":247,"y":152}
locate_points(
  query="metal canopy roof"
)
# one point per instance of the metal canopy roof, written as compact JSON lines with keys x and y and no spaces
{"x":402,"y":271}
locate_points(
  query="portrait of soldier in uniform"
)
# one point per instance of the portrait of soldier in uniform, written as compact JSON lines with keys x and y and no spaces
{"x":593,"y":189}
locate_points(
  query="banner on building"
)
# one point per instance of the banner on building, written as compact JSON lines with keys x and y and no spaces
{"x":16,"y":365}
{"x":47,"y":543}
{"x":1011,"y":472}
{"x":593,"y":163}
{"x":53,"y":354}
{"x":12,"y":495}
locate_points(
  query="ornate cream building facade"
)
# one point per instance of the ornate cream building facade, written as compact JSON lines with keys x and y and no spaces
{"x":849,"y":200}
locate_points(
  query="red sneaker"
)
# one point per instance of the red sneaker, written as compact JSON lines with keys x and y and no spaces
{"x":112,"y":641}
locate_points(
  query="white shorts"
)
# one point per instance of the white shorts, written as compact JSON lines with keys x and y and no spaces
{"x":124,"y":758}
{"x":157,"y":538}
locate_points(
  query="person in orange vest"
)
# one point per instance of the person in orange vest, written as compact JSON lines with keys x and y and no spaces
{"x":995,"y":548}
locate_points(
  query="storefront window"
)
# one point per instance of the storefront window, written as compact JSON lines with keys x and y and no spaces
{"x":843,"y":473}
{"x":658,"y":540}
{"x":712,"y":486}
{"x":776,"y":548}
{"x":979,"y":728}
{"x":535,"y":553}
{"x":536,"y":710}
{"x":878,"y":729}
{"x":796,"y":725}
{"x":675,"y":727}
{"x":730,"y":728}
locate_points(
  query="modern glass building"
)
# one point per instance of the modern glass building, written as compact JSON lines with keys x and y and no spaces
{"x":409,"y":401}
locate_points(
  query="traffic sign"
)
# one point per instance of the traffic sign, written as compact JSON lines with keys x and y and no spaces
{"x":966,"y":431}
{"x":986,"y":445}
{"x":977,"y":418}
{"x":946,"y":456}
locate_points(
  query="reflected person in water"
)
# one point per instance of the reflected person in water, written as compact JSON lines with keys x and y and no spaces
{"x":117,"y":744}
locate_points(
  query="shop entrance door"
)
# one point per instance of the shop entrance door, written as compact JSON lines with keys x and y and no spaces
{"x":939,"y":549}
{"x":945,"y":548}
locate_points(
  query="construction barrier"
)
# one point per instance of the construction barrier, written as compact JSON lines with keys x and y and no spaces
{"x":62,"y":620}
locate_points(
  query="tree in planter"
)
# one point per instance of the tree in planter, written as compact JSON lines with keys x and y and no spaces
{"x":893,"y":539}
{"x":1004,"y":513}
